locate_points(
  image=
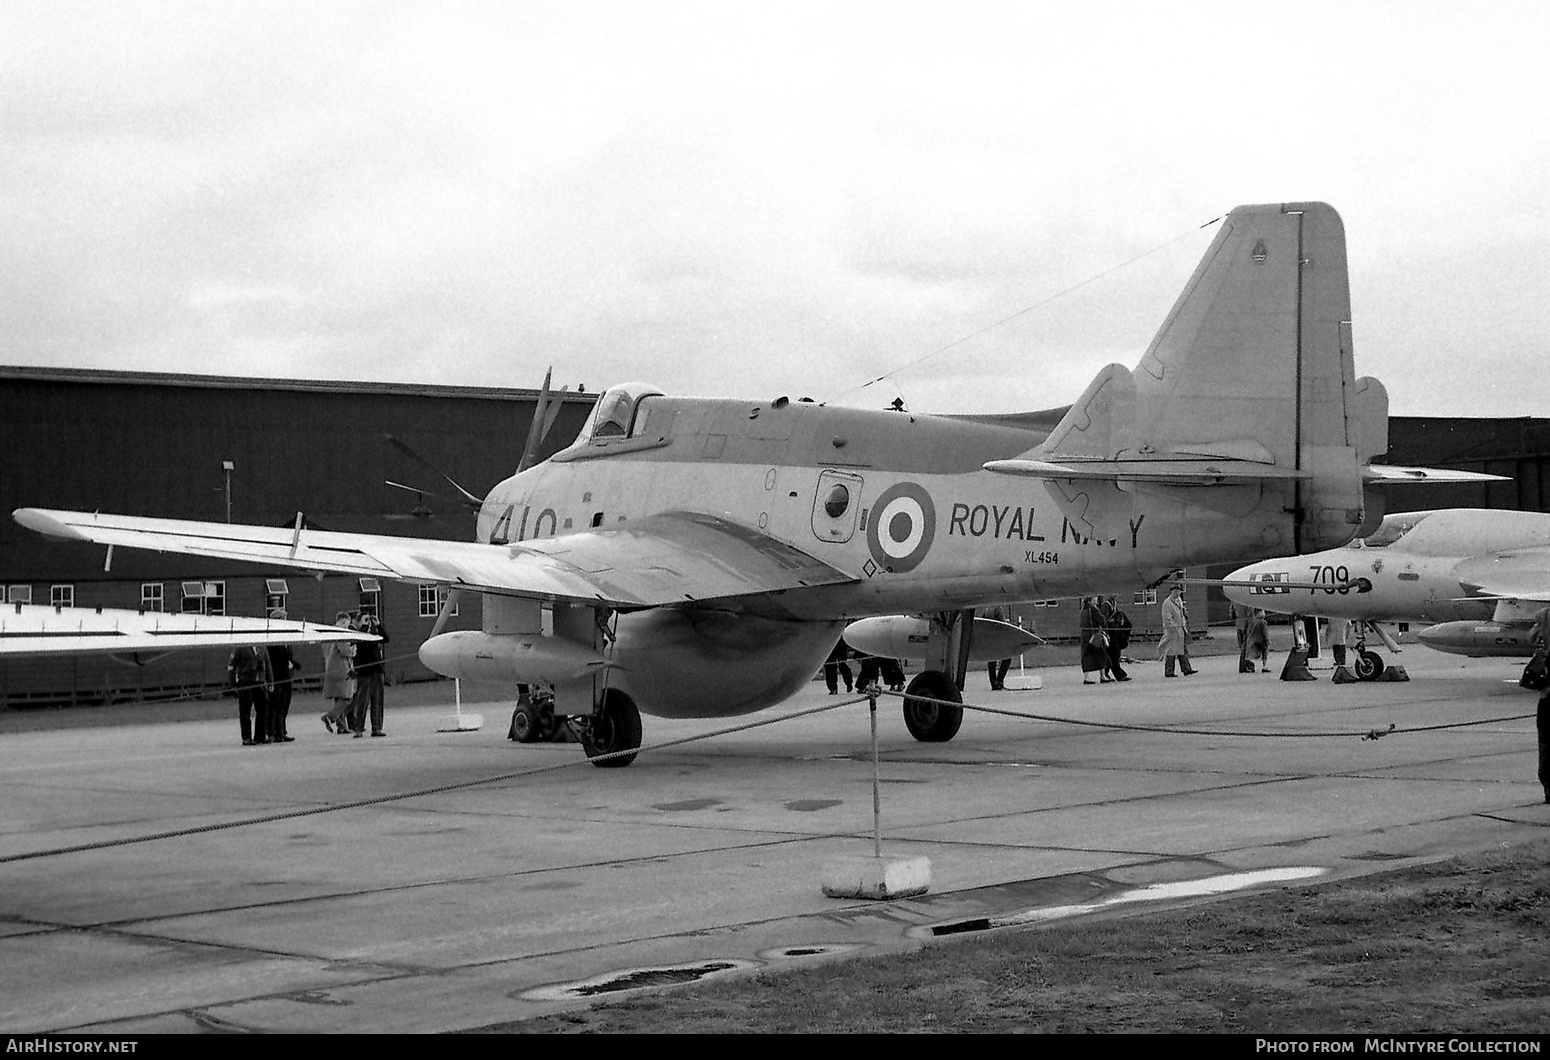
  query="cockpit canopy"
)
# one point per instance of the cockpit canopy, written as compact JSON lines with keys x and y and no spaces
{"x":1392,"y":529}
{"x":615,"y":412}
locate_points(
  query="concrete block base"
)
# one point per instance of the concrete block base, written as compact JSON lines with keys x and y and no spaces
{"x":459,"y":722}
{"x":1024,"y":683}
{"x":878,"y":878}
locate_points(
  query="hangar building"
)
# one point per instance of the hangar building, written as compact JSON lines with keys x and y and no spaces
{"x":240,"y":450}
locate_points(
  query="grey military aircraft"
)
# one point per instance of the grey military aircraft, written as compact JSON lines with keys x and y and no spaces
{"x":692,"y":557}
{"x":1479,"y":574}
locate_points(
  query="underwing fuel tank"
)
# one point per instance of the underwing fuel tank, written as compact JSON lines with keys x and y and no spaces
{"x":1479,"y":640}
{"x":906,"y":637}
{"x":531,"y":659}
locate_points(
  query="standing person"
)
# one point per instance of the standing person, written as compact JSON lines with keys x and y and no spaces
{"x":836,"y":668}
{"x":1095,"y":643}
{"x":1117,"y":624}
{"x":339,"y":678}
{"x":892,"y":673}
{"x":282,"y":664}
{"x":1174,"y":645}
{"x":997,"y":668}
{"x":1339,"y":635}
{"x":368,"y":675}
{"x":248,"y":672}
{"x":1256,"y":643}
{"x":1542,"y":726}
{"x":1243,"y":617}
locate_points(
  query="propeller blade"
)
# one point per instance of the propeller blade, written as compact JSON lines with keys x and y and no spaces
{"x":466,"y":499}
{"x":535,"y":430}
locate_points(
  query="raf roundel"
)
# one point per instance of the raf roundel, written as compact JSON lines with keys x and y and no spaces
{"x":901,"y":527}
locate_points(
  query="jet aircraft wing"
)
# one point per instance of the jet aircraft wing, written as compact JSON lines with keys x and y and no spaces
{"x":1518,"y":574}
{"x":36,"y":629}
{"x":670,"y":558}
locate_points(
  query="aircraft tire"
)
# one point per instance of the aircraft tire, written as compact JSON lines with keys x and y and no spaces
{"x":526,"y":723}
{"x":932,"y":722}
{"x":615,"y":727}
{"x":1369,"y":666}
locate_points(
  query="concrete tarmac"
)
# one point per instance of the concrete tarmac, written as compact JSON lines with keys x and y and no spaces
{"x":483,"y":900}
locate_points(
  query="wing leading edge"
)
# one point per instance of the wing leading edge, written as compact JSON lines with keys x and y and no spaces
{"x":671,"y":558}
{"x":34,"y":629}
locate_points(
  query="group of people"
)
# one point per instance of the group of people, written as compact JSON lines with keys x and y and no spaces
{"x":263,"y":676}
{"x":1105,"y":636}
{"x":874,"y":670}
{"x":353,"y":679}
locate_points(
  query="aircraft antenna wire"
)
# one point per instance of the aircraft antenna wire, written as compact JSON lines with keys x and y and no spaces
{"x":1036,"y":305}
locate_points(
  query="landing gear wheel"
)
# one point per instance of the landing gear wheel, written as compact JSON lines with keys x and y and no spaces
{"x":1369,"y":665}
{"x":615,"y":726}
{"x":932,"y":722}
{"x":527,"y":723}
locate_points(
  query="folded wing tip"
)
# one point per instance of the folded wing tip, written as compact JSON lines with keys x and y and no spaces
{"x":45,"y":523}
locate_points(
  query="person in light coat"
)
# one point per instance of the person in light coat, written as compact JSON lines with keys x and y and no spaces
{"x":1174,"y":645}
{"x":339,"y":677}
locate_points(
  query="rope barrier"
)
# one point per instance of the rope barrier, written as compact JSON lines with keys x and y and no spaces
{"x":1367,"y":734}
{"x":378,"y":800}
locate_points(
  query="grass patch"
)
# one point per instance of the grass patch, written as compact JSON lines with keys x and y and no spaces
{"x":1454,"y":947}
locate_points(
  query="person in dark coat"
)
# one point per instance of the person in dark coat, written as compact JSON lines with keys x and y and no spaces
{"x":1542,"y":727}
{"x":1117,"y":625}
{"x":248,"y":673}
{"x":837,"y":667}
{"x":1095,"y":643}
{"x":369,"y":679}
{"x":282,"y":665}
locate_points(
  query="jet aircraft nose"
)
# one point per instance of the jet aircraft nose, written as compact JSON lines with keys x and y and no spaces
{"x":1242,"y":594}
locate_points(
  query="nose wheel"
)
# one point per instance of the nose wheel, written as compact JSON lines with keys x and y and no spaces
{"x":1369,"y":665}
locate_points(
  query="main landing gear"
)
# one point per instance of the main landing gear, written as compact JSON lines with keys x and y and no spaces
{"x":947,"y":653}
{"x":613,"y":727}
{"x":932,"y":722}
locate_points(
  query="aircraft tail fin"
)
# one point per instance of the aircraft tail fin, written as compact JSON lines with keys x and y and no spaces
{"x":1251,"y":369}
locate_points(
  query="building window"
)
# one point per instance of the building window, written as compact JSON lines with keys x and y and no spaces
{"x":1046,"y":603}
{"x":432,"y":597}
{"x":153,"y":596}
{"x":204,"y":598}
{"x":18,"y":594}
{"x":275,"y":593}
{"x":371,"y":597}
{"x":61,"y":596}
{"x":1142,"y":597}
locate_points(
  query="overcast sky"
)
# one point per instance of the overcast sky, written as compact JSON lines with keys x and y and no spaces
{"x":757,"y":199}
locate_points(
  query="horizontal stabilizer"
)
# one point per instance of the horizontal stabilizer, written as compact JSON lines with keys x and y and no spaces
{"x":1170,"y":472}
{"x":1388,"y":474}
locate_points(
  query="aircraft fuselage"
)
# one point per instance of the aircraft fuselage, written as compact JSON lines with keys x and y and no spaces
{"x":897,"y":501}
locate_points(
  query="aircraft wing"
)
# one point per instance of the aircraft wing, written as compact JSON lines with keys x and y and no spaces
{"x":1518,"y":574}
{"x":671,"y":558}
{"x":35,"y":629}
